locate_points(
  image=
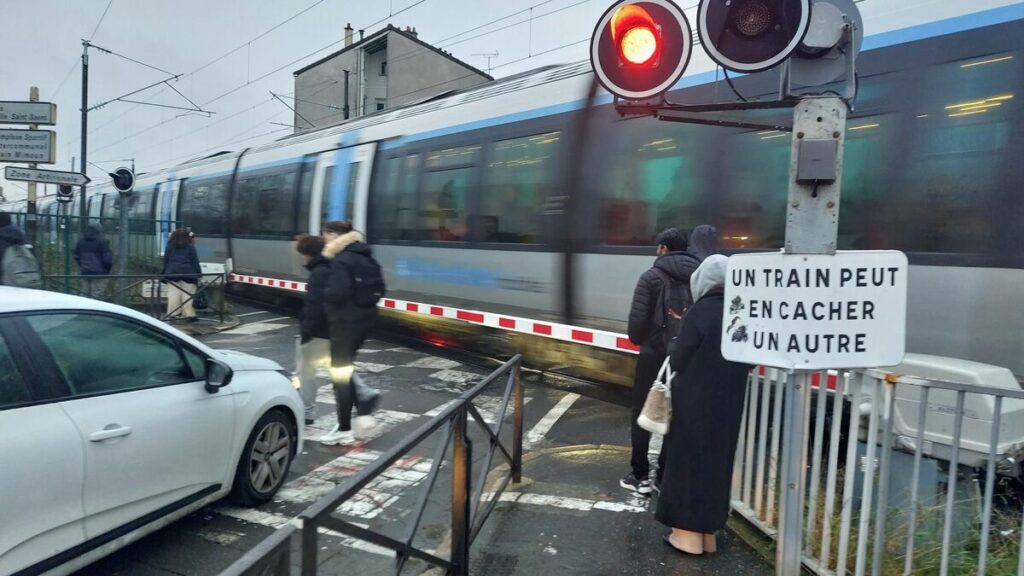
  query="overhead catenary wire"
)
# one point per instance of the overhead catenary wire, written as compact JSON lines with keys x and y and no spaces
{"x":78,"y":62}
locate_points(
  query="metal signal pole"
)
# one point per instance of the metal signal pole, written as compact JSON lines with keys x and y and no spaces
{"x":83,"y":212}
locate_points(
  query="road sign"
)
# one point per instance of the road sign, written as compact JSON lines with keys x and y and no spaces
{"x":45,"y":176}
{"x":28,"y":113}
{"x":28,"y":146}
{"x":816,"y":311}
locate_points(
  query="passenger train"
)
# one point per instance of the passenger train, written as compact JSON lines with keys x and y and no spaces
{"x":492,"y":199}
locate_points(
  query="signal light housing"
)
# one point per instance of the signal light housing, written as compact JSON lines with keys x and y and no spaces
{"x":640,"y":48}
{"x":752,"y":35}
{"x":123,"y":179}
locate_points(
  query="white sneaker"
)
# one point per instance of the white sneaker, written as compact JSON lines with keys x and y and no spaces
{"x":364,"y":424}
{"x":336,"y":437}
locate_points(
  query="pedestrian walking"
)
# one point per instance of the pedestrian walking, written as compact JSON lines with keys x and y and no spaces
{"x":703,"y":241}
{"x":94,"y":258}
{"x":313,"y":349}
{"x":181,"y":272}
{"x":707,"y":405}
{"x":18,"y":265}
{"x":660,"y":302}
{"x":354,"y":287}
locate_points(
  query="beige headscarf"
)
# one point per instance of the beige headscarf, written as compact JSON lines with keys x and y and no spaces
{"x":708,"y":276}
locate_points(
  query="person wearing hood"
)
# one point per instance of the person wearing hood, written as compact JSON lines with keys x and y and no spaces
{"x":707,"y":406}
{"x":353,"y":288}
{"x":20,"y":267}
{"x":10,"y":234}
{"x":93,"y":256}
{"x":314,"y":346}
{"x":181,"y":272}
{"x":704,"y":241}
{"x":660,"y":301}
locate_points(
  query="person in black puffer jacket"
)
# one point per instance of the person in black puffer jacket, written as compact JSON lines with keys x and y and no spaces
{"x":93,"y":256}
{"x":314,"y":345}
{"x":181,"y":273}
{"x":674,"y":264}
{"x":349,"y":322}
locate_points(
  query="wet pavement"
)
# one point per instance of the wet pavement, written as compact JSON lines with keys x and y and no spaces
{"x":568,"y":516}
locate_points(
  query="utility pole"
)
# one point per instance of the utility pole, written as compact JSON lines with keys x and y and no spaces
{"x":345,"y":107}
{"x":82,"y":208}
{"x":30,"y":212}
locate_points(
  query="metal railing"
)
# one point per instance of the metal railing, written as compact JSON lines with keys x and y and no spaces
{"x":468,"y":510}
{"x":144,"y":292}
{"x":887,"y":490}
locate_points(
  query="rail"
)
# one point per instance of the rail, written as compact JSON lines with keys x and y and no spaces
{"x":141,"y":291}
{"x":469,"y":511}
{"x":887,"y":490}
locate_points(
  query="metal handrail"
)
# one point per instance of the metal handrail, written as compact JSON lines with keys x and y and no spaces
{"x":466,"y":517}
{"x":122,"y":289}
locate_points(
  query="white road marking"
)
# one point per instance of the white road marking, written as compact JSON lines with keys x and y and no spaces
{"x":256,"y":516}
{"x":435,"y":411}
{"x":254,"y":328}
{"x":456,"y":376}
{"x":371,"y":367}
{"x":569,"y":502}
{"x":433,"y":362}
{"x":538,"y":432}
{"x":271,"y":320}
{"x":386,"y":420}
{"x":252,"y":313}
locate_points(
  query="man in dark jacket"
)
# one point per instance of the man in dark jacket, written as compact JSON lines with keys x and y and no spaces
{"x":11,"y":235}
{"x":93,"y":256}
{"x":648,"y":319}
{"x":349,"y":321}
{"x":314,"y":346}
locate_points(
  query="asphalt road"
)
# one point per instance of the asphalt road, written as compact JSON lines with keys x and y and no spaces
{"x":569,"y":512}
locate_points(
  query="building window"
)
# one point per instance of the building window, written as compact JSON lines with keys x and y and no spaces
{"x":381,"y":104}
{"x":384,"y":68}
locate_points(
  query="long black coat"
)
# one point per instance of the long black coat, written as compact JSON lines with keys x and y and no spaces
{"x":707,"y":406}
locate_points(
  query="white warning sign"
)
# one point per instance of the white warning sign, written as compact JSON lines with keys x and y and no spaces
{"x":813,"y":312}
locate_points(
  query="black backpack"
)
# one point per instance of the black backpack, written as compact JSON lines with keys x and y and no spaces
{"x":670,"y":308}
{"x":367,"y":281}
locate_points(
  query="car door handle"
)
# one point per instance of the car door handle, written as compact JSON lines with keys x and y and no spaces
{"x":108,"y":433}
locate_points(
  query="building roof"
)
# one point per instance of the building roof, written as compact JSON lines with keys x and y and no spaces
{"x":382,"y":32}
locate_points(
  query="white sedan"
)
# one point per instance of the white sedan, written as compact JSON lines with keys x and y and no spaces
{"x":113,"y":425}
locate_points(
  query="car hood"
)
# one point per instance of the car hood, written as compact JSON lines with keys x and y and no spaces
{"x":239,"y":361}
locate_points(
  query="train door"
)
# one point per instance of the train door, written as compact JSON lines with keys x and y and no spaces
{"x":341,"y":186}
{"x":166,"y":201}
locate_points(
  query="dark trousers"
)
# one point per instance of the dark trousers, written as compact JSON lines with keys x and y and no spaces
{"x":647,"y":365}
{"x":346,"y":338}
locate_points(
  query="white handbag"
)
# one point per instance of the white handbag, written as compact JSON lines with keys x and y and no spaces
{"x":657,"y":411}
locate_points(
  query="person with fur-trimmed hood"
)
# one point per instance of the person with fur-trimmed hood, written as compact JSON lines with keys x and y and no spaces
{"x":353,"y":288}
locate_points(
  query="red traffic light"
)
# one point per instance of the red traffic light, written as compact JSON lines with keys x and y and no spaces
{"x":636,"y":35}
{"x":640,"y":48}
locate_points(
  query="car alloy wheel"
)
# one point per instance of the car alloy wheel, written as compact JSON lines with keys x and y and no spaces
{"x":268,"y":459}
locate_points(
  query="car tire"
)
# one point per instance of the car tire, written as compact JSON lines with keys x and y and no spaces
{"x":266,"y":458}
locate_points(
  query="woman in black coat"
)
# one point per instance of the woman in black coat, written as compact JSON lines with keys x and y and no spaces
{"x":181,"y":272}
{"x":707,"y":405}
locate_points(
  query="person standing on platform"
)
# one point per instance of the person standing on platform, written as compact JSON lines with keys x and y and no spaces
{"x":181,"y":273}
{"x":94,"y":258}
{"x":660,"y":301}
{"x":354,"y":287}
{"x":313,"y":348}
{"x":707,"y":406}
{"x":18,"y":265}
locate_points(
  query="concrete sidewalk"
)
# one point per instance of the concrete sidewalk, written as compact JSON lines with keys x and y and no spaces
{"x":570,"y":516}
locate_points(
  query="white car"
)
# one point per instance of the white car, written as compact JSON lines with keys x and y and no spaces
{"x":113,"y":425}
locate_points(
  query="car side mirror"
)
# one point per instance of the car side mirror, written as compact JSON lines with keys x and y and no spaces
{"x":218,"y":375}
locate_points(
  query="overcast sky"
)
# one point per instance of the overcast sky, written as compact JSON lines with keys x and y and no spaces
{"x":41,"y":46}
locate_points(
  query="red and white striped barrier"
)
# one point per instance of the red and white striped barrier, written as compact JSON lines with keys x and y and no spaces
{"x":564,"y":332}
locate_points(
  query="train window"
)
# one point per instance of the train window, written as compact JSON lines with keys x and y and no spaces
{"x":651,"y":176}
{"x":350,"y":195}
{"x":443,"y":208}
{"x":265,"y":203}
{"x":517,"y":179}
{"x":394,"y":199}
{"x":140,"y":212}
{"x":111,"y":212}
{"x":325,"y":195}
{"x":305,"y":195}
{"x":203,"y":204}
